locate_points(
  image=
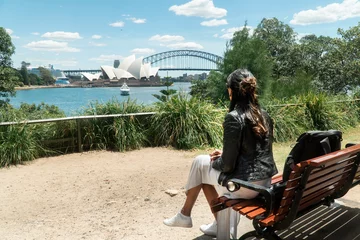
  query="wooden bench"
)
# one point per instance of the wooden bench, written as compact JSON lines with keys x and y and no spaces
{"x":314,"y":182}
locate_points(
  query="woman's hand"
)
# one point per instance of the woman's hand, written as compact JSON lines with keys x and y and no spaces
{"x":215,"y":154}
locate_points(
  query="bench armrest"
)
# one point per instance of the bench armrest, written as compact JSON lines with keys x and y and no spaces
{"x":266,"y":192}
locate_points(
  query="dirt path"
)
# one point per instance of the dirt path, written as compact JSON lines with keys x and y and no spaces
{"x":104,"y":195}
{"x":98,"y":195}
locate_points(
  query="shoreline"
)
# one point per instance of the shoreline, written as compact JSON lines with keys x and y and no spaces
{"x":88,"y":86}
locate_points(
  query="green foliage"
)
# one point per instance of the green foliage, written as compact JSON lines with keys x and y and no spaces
{"x":166,"y":94}
{"x":25,"y":75}
{"x":17,"y":145}
{"x":46,"y":76}
{"x":35,"y":80}
{"x":312,"y":111}
{"x":186,"y":123}
{"x":212,"y":88}
{"x":246,"y":51}
{"x":8,"y":76}
{"x":289,"y":118}
{"x":122,"y":134}
{"x":279,"y":39}
{"x":287,"y":87}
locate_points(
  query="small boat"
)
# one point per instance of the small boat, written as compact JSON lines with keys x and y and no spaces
{"x":124,"y":89}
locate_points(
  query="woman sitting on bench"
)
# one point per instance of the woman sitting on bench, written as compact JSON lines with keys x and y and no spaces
{"x":247,"y":152}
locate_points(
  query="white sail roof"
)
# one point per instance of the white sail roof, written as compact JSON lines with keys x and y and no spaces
{"x":154,"y":71}
{"x":109,"y":71}
{"x":125,"y":64}
{"x":120,"y":73}
{"x":130,"y":67}
{"x":135,"y":68}
{"x":90,"y":77}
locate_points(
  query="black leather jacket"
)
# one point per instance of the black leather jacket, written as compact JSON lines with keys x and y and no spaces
{"x":245,"y":156}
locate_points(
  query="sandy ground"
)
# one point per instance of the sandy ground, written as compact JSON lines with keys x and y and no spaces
{"x":101,"y":195}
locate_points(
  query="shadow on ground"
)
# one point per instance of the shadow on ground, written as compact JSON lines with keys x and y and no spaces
{"x":328,"y":223}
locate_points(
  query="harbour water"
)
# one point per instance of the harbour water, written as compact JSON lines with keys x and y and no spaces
{"x":73,"y":100}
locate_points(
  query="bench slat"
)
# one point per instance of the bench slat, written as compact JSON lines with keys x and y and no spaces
{"x":325,"y":178}
{"x":321,"y":172}
{"x":326,"y":184}
{"x":255,"y":213}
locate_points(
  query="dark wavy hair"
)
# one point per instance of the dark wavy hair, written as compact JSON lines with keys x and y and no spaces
{"x":243,"y":86}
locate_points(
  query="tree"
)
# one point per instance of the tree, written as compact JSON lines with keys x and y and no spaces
{"x":8,"y":76}
{"x":212,"y":88}
{"x":35,"y":80}
{"x":242,"y":51}
{"x":279,"y":39}
{"x":46,"y":76}
{"x":25,"y":75}
{"x":166,"y":94}
{"x":246,"y":51}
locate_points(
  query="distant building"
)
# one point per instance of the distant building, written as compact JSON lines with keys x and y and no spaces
{"x":203,"y":76}
{"x":130,"y":67}
{"x":116,"y":63}
{"x":56,"y":73}
{"x":62,"y":81}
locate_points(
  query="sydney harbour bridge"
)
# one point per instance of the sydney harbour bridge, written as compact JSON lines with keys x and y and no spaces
{"x":177,"y":60}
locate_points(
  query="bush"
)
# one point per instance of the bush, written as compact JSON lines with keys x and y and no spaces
{"x":124,"y":133}
{"x":186,"y":123}
{"x":17,"y":145}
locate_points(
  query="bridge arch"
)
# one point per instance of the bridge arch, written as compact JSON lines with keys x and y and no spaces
{"x":207,"y":57}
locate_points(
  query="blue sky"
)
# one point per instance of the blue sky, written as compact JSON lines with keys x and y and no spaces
{"x":84,"y":34}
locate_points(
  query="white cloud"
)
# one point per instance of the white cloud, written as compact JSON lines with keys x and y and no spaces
{"x":330,"y":13}
{"x":107,"y":58}
{"x":51,"y":46}
{"x":137,"y":20}
{"x":143,"y":51}
{"x":185,"y":45}
{"x":117,"y":24}
{"x":229,"y":33}
{"x":214,"y":23}
{"x":96,"y":36}
{"x":97,"y":44}
{"x":167,"y":38}
{"x":62,"y":36}
{"x":216,"y":35}
{"x":199,"y":8}
{"x":35,"y":33}
{"x":126,"y":15}
{"x":10,"y":32}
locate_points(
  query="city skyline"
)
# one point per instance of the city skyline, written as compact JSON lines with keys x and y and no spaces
{"x":87,"y":34}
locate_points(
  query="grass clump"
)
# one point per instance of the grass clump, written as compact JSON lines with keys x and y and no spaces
{"x":121,"y":134}
{"x":17,"y":145}
{"x":185,"y":123}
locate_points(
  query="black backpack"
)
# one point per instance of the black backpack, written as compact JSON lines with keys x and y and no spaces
{"x":310,"y":145}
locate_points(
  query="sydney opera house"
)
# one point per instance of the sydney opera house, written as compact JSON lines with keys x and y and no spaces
{"x":129,"y":68}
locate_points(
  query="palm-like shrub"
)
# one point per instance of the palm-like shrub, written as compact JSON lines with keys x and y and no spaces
{"x":289,"y":119}
{"x":186,"y":123}
{"x":17,"y":145}
{"x":123,"y":133}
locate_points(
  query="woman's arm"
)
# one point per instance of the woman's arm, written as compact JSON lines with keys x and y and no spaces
{"x":231,"y":147}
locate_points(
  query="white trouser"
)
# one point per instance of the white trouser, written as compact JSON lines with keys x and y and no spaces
{"x":201,"y":172}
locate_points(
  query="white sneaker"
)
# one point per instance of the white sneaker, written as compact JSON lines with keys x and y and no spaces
{"x":209,"y":229}
{"x":179,"y":220}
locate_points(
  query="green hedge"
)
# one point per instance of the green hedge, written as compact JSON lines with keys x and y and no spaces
{"x":182,"y":122}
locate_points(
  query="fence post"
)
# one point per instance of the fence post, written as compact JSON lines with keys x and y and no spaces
{"x":79,"y":134}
